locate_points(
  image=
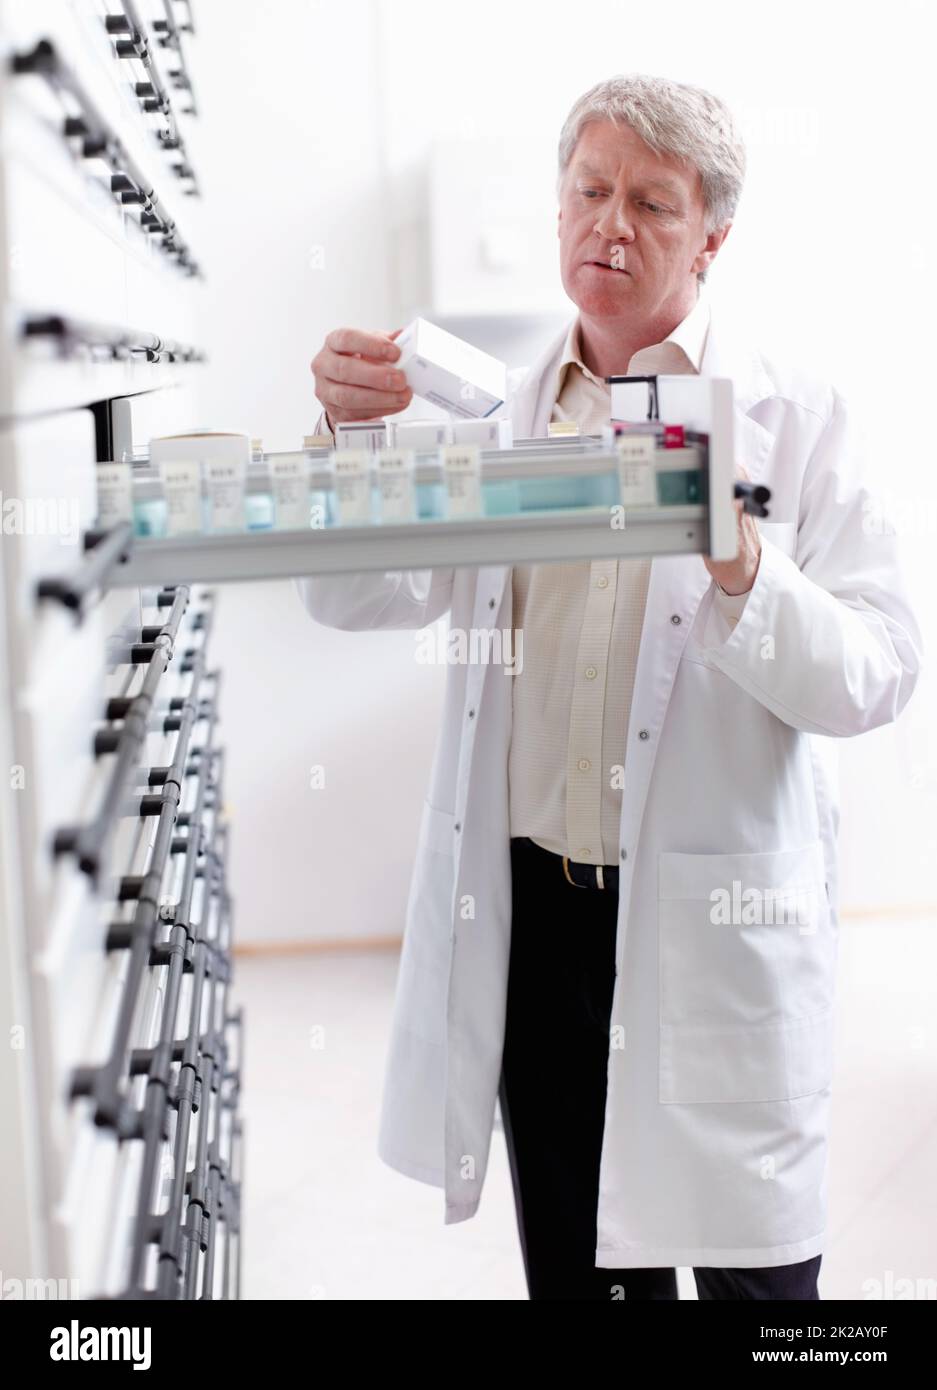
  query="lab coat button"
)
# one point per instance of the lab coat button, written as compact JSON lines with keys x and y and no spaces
{"x":676,"y":619}
{"x":457,"y":826}
{"x":643,"y":733}
{"x":624,"y":854}
{"x":491,"y":603}
{"x":471,"y":714}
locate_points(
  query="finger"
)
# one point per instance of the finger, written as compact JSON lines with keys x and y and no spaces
{"x":358,"y":340}
{"x":360,"y":371}
{"x":361,"y":402}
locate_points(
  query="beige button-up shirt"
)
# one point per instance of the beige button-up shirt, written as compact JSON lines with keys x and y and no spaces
{"x":581,"y":631}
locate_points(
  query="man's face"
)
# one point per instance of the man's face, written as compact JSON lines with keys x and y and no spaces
{"x":631,"y":227}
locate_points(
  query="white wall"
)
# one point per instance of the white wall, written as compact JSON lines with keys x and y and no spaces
{"x":319,"y":122}
{"x":289,"y":139}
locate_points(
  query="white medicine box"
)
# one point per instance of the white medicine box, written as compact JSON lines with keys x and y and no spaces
{"x":449,"y":372}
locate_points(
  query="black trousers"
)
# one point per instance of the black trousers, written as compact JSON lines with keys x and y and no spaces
{"x":552,"y":1095}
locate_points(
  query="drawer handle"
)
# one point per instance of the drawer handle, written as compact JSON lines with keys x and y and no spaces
{"x":98,"y":139}
{"x":87,"y":842}
{"x":754,"y":496}
{"x":105,"y":550}
{"x":193,"y":1073}
{"x":169,"y":35}
{"x":71,"y":335}
{"x":152,"y":94}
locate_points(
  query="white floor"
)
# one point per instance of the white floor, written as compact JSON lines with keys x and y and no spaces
{"x":324,"y":1218}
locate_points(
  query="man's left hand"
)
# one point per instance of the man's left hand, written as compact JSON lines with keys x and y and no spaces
{"x":737,"y":576}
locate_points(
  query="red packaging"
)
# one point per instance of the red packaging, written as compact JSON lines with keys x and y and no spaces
{"x":673,"y":437}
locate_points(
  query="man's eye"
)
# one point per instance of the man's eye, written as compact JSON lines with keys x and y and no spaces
{"x":591,"y":192}
{"x":655,"y":207}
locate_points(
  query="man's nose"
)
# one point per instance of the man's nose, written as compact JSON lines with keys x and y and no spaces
{"x":613,"y":223}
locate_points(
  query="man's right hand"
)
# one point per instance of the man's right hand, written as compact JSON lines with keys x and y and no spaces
{"x":356,"y":378}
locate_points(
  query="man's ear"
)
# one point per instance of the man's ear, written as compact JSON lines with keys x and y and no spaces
{"x":710,"y":250}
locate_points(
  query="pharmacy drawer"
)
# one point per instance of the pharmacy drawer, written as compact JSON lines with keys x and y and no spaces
{"x":77,"y":657}
{"x":40,"y":381}
{"x":65,"y":240}
{"x":92,"y":1235}
{"x":92,"y":71}
{"x":75,"y":1163}
{"x":65,"y":784}
{"x":52,"y":878}
{"x":160,"y":299}
{"x":90,"y":1226}
{"x":47,"y":480}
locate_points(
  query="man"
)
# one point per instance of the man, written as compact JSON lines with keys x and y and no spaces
{"x":593,"y":931}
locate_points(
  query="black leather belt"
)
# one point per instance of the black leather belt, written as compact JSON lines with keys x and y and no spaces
{"x":603,"y":876}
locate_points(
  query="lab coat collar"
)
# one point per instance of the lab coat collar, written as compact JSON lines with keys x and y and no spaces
{"x":727,"y":352}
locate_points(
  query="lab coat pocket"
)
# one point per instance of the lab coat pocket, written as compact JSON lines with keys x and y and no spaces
{"x":746,"y":964}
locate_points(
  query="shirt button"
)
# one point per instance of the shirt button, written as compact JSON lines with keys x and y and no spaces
{"x":584,"y":764}
{"x":458,"y":825}
{"x":676,"y":619}
{"x":643,"y":733}
{"x":590,"y":673}
{"x":602,"y":582}
{"x":585,"y":854}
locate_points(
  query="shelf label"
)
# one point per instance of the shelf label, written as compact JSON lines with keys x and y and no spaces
{"x":289,"y":483}
{"x":351,"y":478}
{"x":182,"y":489}
{"x":395,"y":472}
{"x":225,"y":489}
{"x":636,"y":478}
{"x":461,"y":465}
{"x":115,"y":497}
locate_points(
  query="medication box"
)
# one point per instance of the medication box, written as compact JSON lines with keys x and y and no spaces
{"x":487,"y":434}
{"x":360,"y":434}
{"x":418,"y":434}
{"x":449,"y":372}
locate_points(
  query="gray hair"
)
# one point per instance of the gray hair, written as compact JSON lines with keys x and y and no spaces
{"x":674,"y":119}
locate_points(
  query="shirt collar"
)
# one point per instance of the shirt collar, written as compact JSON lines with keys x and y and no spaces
{"x":689,"y":337}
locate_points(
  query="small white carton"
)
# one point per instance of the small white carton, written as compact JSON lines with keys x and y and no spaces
{"x":418,"y":434}
{"x":449,"y":372}
{"x":361,"y":434}
{"x":487,"y":434}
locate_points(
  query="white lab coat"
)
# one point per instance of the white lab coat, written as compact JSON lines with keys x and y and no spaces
{"x":715,"y":1141}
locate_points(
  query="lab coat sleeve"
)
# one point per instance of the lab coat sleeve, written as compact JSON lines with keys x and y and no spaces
{"x":323,"y":427}
{"x":827,"y":640}
{"x":732,"y":606}
{"x":358,"y":602}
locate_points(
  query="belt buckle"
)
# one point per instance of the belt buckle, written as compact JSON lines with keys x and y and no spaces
{"x":599,"y":876}
{"x":569,"y":877}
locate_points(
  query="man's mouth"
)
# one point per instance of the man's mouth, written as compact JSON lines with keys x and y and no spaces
{"x":604,"y":265}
